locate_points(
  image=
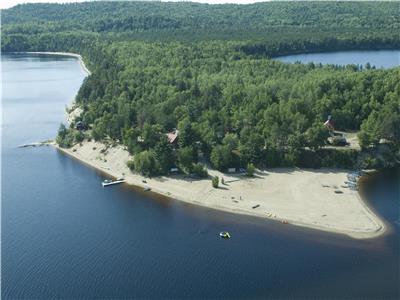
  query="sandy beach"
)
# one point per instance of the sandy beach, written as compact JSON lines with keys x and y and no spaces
{"x":301,"y":197}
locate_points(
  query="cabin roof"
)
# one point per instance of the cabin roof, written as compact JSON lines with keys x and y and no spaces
{"x":329,"y":123}
{"x":172,"y":136}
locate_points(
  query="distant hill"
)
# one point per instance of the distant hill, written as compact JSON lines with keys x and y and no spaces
{"x":101,"y":16}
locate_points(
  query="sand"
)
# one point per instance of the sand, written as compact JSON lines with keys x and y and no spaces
{"x":302,"y":197}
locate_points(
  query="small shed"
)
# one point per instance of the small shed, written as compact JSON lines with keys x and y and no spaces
{"x":231,"y":170}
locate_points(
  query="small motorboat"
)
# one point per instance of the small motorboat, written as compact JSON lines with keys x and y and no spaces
{"x":108,"y":182}
{"x":147,"y":189}
{"x":225,"y":235}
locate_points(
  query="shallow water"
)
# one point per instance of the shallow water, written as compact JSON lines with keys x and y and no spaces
{"x":378,"y":58}
{"x":64,"y":236}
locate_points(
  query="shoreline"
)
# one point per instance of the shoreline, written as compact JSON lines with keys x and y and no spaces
{"x":317,"y":208}
{"x":70,"y":54}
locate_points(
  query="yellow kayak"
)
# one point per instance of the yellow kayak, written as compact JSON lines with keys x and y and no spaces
{"x":224,"y":235}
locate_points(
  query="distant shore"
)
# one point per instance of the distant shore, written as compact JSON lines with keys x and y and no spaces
{"x":303,"y":197}
{"x":79,"y":57}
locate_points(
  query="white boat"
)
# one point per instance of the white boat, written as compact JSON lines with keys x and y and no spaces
{"x":108,"y":182}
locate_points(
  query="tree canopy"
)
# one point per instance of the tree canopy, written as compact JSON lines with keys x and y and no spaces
{"x":207,"y":71}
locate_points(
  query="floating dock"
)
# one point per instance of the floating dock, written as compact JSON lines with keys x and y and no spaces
{"x":112,"y":182}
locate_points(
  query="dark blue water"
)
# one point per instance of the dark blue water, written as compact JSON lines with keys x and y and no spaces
{"x":377,"y":58}
{"x":63,"y":236}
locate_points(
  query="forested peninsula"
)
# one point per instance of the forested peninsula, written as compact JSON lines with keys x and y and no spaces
{"x":207,"y":73}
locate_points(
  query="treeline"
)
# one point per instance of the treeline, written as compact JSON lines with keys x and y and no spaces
{"x":192,"y":21}
{"x":130,"y":16}
{"x":320,"y":42}
{"x":270,"y":29}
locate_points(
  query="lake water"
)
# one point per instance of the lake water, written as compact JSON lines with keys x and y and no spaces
{"x":64,"y":236}
{"x":377,"y":58}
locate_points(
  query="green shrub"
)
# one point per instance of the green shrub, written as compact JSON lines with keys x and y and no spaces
{"x":65,"y":137}
{"x":221,"y":157}
{"x":199,"y":170}
{"x":164,"y":155}
{"x":131,"y":165}
{"x":369,"y":162}
{"x":250,"y":169}
{"x":78,"y":136}
{"x":145,"y":163}
{"x":290,"y":159}
{"x":186,"y":159}
{"x":215,"y":182}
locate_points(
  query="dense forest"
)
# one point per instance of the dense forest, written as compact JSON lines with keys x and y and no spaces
{"x":206,"y":70}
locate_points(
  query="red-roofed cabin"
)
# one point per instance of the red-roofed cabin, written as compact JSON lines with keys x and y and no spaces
{"x":173,"y":136}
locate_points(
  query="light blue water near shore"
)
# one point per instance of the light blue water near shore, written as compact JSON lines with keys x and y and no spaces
{"x":378,"y":58}
{"x":64,"y":236}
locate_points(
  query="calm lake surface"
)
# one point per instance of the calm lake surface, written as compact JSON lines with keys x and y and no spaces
{"x":377,"y":58}
{"x":64,"y":236}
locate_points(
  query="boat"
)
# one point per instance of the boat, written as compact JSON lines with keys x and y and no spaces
{"x":108,"y":182}
{"x":359,"y":173}
{"x":147,"y":189}
{"x":354,"y":176}
{"x":225,"y":235}
{"x":351,"y":177}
